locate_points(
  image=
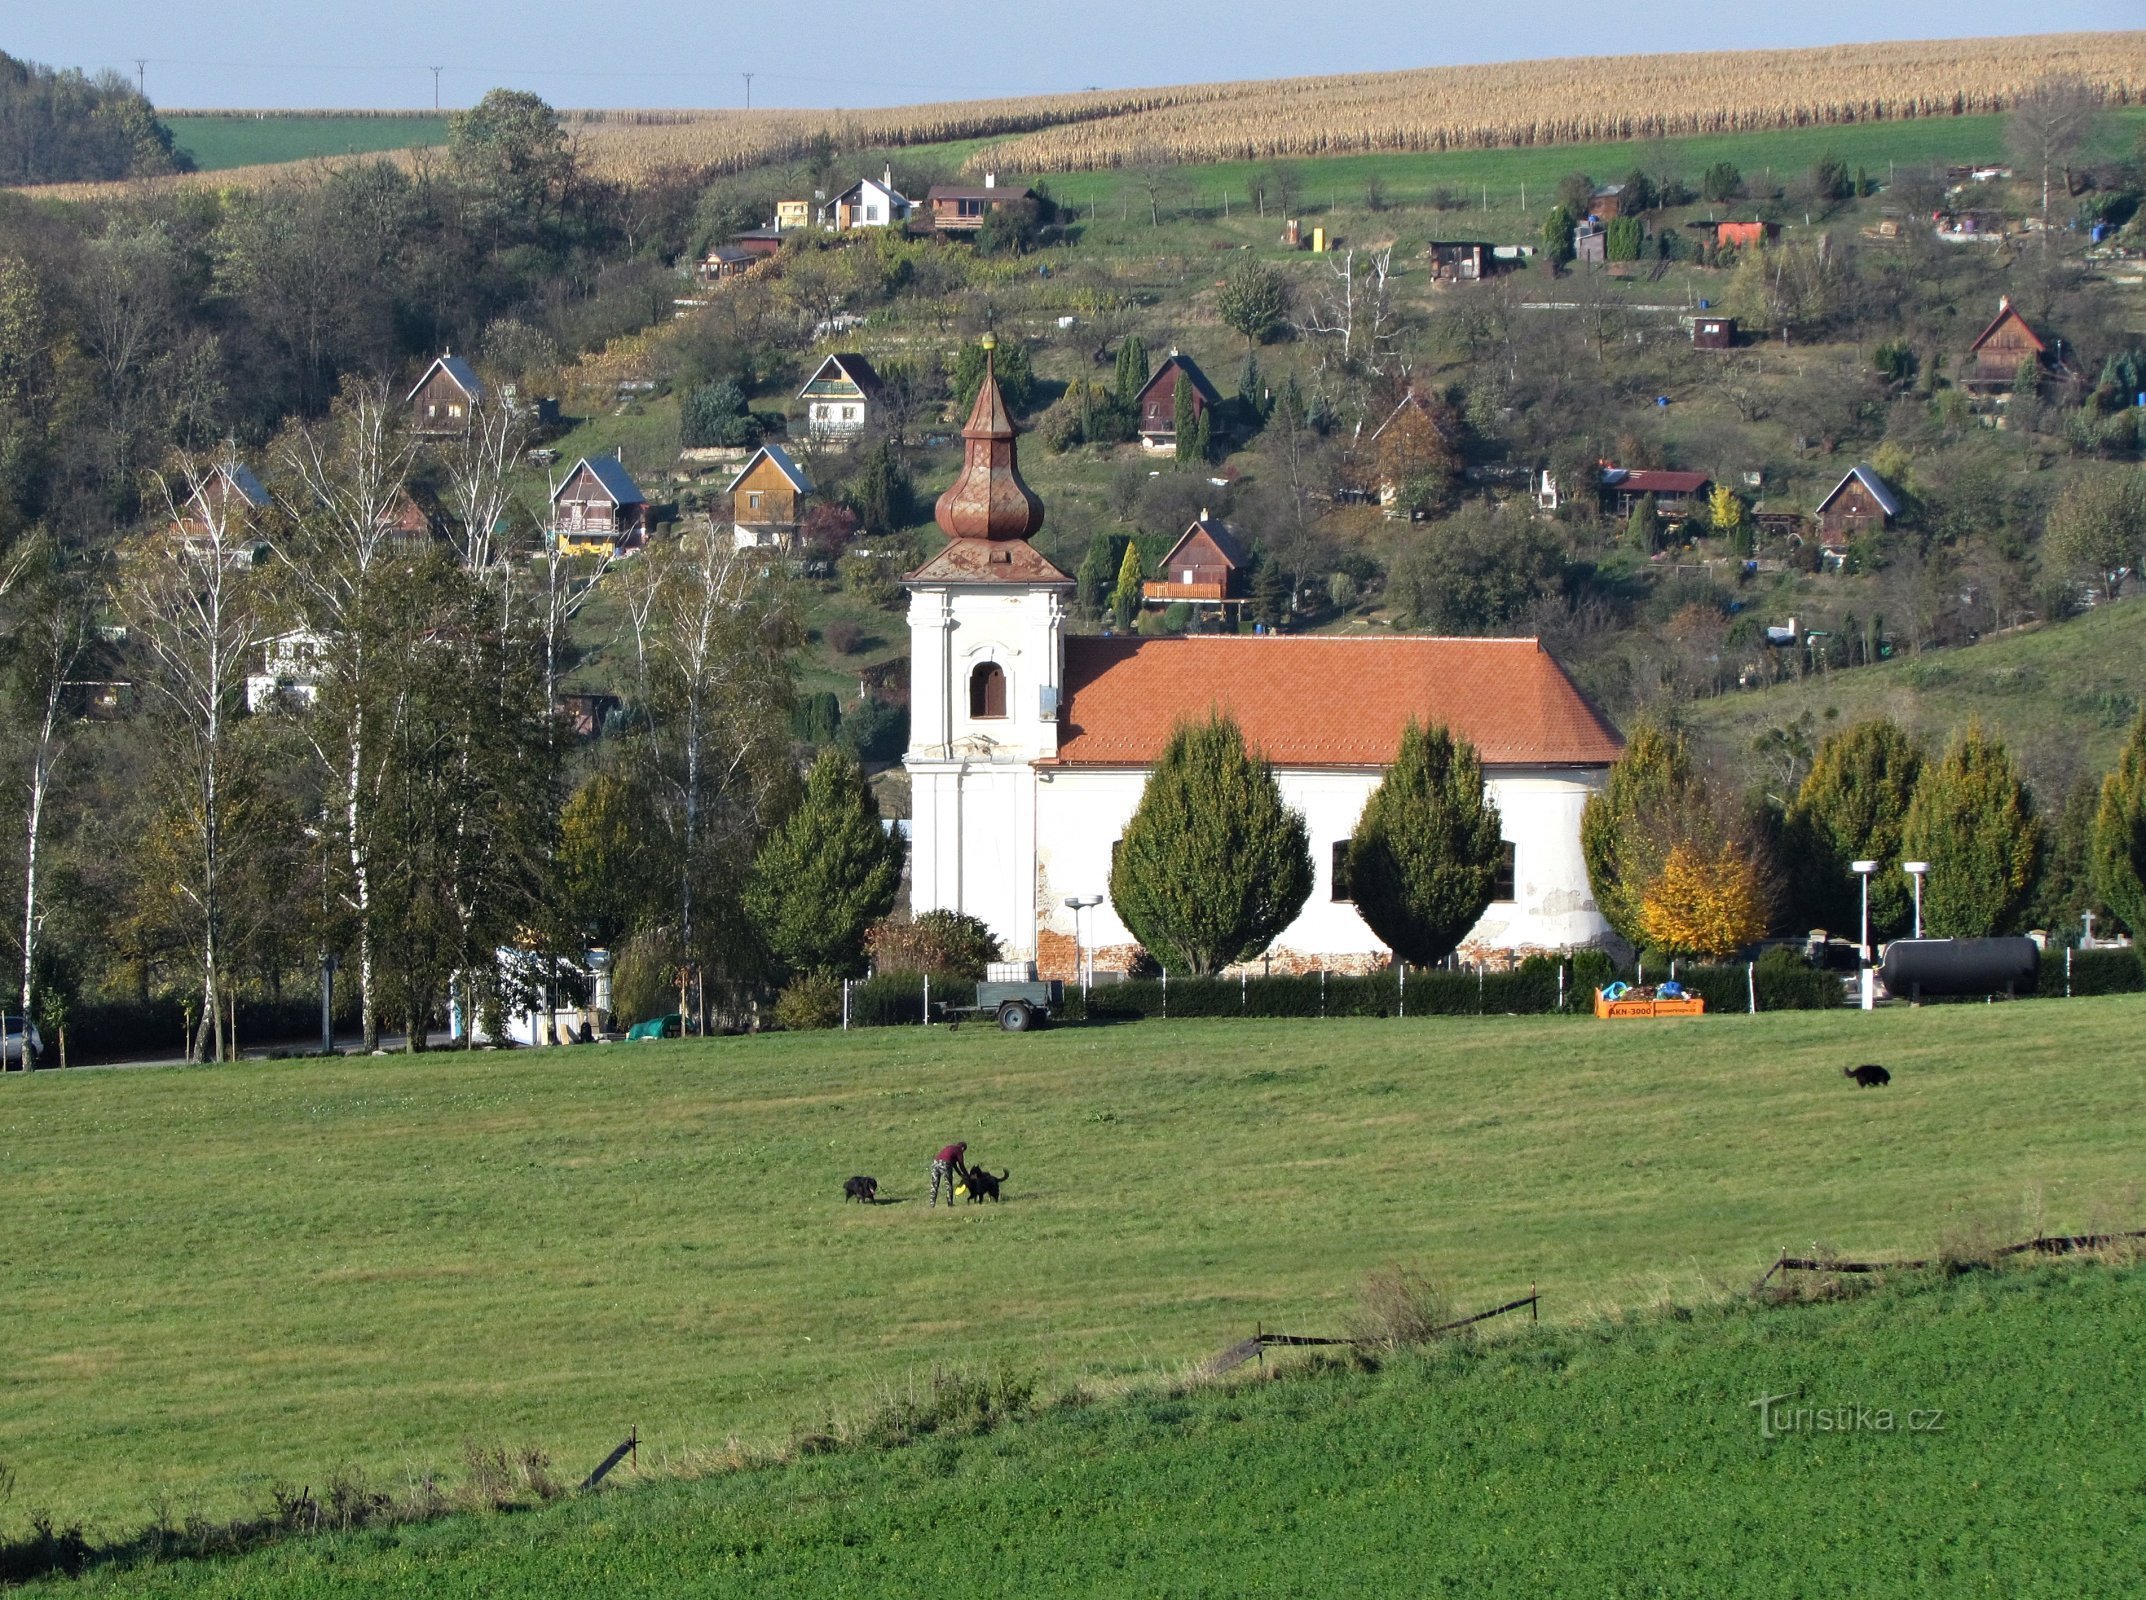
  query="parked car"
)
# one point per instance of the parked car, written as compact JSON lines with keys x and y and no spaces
{"x":11,"y":1050}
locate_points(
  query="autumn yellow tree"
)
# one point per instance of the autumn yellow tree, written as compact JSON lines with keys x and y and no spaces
{"x":1705,"y":905}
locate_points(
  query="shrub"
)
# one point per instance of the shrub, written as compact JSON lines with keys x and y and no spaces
{"x":1397,"y":1307}
{"x":809,"y":1001}
{"x":946,"y":944}
{"x":844,"y":637}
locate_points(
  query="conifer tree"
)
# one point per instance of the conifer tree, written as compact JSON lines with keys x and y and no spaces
{"x":1184,"y":401}
{"x":1213,"y":865}
{"x":1973,"y":821}
{"x":1132,"y":370}
{"x":2119,"y":839}
{"x":826,"y":874}
{"x":1424,"y":858}
{"x":1125,"y":598}
{"x":1852,"y":806}
{"x":1095,"y":574}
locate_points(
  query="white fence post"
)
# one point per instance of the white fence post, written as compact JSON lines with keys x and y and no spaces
{"x":1404,"y":988}
{"x":1751,"y":980}
{"x":845,"y":1005}
{"x":1166,"y":994}
{"x":2067,"y":972}
{"x":927,"y":999}
{"x":1322,"y":991}
{"x":1244,"y":992}
{"x":1561,"y":986}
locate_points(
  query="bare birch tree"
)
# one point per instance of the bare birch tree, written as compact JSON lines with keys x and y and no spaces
{"x":479,"y":464}
{"x":193,"y":603}
{"x":345,"y":483}
{"x":48,"y":648}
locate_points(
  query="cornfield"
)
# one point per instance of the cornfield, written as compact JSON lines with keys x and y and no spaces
{"x":1569,"y":101}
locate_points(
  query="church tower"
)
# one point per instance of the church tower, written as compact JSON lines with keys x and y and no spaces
{"x":986,"y":643}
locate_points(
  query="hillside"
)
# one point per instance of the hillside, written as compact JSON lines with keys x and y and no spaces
{"x":1936,"y":1437}
{"x":257,"y":1273}
{"x":2060,"y":696}
{"x":1521,"y":104}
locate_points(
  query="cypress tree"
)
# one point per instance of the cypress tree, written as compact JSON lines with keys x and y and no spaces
{"x":1651,"y":799}
{"x":1097,"y":567}
{"x":1852,"y":806}
{"x":1213,"y":865}
{"x":827,"y":874}
{"x":1125,"y":599}
{"x":1132,"y":371}
{"x":2119,"y":839}
{"x":1424,"y":858}
{"x":1186,"y":418}
{"x":1973,"y":821}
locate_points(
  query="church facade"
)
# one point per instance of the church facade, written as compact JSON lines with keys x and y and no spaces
{"x":1029,"y":749}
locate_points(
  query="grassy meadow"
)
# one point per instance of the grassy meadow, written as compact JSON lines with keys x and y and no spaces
{"x":218,"y":142}
{"x":224,"y":1278}
{"x":1981,"y":1437}
{"x":2061,"y":696}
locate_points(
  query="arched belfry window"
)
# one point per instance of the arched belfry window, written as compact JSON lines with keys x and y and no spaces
{"x":987,"y":690}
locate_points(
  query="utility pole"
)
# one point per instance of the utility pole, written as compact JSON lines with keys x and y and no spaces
{"x":748,"y":77}
{"x":435,"y":71}
{"x":141,"y":76}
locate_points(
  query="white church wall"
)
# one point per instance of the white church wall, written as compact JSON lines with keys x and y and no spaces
{"x":1081,"y":813}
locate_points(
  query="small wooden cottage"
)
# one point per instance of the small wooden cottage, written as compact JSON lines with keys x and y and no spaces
{"x":228,"y":497}
{"x":956,"y":208}
{"x":1859,"y":503}
{"x":1464,"y":260}
{"x":792,"y":214}
{"x":1207,"y":567}
{"x":441,"y":403}
{"x":766,"y":499}
{"x":599,"y":502}
{"x":2000,"y":350}
{"x":1608,"y":202}
{"x":839,"y":395}
{"x":1590,"y":241}
{"x":1157,"y":404}
{"x":725,"y":261}
{"x":1711,"y":332}
{"x":1676,"y":494}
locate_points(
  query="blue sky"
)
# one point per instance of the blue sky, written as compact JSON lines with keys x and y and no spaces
{"x":849,"y":53}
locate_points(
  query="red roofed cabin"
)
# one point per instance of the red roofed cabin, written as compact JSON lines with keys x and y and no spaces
{"x":1158,"y":401}
{"x":1205,"y":568}
{"x":1676,"y":494}
{"x":961,"y":208}
{"x":2000,"y":350}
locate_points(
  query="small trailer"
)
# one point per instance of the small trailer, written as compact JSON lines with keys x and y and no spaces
{"x":1012,"y":996}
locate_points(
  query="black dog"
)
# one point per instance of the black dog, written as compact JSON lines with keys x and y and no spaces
{"x":1868,"y":1076}
{"x":865,"y":1190}
{"x":982,"y":1186}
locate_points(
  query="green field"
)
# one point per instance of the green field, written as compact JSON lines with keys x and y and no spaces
{"x":222,"y":1278}
{"x":2061,"y":697}
{"x":1781,"y":155}
{"x":246,"y":140}
{"x":1982,"y":1436}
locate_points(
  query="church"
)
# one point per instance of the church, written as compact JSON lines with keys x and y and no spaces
{"x":1028,"y":749}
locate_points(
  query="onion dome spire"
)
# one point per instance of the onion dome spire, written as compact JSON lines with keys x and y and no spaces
{"x":988,"y":500}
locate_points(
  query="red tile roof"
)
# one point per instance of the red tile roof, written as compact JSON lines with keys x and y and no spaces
{"x":1310,"y":701}
{"x":1653,"y":480}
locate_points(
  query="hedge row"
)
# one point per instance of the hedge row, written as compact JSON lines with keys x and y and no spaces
{"x":104,"y":1029}
{"x":1530,"y":990}
{"x":2092,"y":972}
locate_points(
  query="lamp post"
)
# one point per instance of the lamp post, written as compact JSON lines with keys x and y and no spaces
{"x":1915,"y":870}
{"x":1863,"y":870}
{"x":1076,"y":904}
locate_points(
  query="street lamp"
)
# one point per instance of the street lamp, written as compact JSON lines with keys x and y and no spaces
{"x":1863,"y":870}
{"x":1076,"y":904}
{"x":1915,"y":870}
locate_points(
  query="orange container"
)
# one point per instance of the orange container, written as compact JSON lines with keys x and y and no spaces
{"x":1614,"y":1010}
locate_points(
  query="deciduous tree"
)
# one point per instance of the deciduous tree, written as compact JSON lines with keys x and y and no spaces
{"x":1652,"y":798}
{"x":1707,"y":904}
